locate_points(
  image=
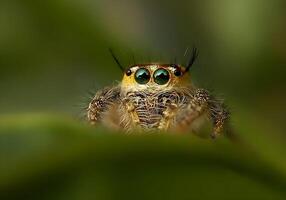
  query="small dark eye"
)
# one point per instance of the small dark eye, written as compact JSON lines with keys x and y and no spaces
{"x":178,"y":72}
{"x":161,"y":76}
{"x":142,"y":76}
{"x":128,"y":72}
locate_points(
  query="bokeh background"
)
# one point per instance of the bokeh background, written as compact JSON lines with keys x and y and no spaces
{"x":53,"y":53}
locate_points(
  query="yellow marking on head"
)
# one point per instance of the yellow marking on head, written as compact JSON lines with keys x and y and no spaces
{"x":129,"y":82}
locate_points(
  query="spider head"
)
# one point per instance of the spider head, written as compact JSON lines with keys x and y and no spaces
{"x":155,"y":77}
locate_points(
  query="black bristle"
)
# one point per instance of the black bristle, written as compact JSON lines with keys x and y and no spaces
{"x":116,"y":60}
{"x":193,"y":58}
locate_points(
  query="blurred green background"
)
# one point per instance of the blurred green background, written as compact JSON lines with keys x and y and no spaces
{"x":52,"y":53}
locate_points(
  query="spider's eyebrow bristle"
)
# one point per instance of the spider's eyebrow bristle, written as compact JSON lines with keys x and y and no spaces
{"x":116,"y":60}
{"x":193,"y":58}
{"x":186,"y":51}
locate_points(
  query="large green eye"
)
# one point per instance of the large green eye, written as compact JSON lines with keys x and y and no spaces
{"x":142,"y":76}
{"x":161,"y":76}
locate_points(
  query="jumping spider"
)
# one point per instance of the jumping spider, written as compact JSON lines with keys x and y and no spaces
{"x":156,"y":97}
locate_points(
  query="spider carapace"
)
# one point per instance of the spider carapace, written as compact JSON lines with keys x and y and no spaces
{"x":157,"y":97}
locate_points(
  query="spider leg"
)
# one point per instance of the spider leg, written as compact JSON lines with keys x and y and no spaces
{"x":131,"y":120}
{"x":168,"y":116}
{"x":102,"y":101}
{"x":202,"y":103}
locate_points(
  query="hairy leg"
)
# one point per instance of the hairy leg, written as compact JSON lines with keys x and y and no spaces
{"x":202,"y":103}
{"x":130,"y":119}
{"x":101,"y":103}
{"x":168,"y":116}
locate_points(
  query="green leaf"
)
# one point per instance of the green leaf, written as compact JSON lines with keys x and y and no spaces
{"x":48,"y":157}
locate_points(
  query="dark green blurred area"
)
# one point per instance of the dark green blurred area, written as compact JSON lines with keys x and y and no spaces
{"x":52,"y":53}
{"x":43,"y":157}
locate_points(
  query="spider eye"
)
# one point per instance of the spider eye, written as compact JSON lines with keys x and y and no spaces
{"x":177,"y":72}
{"x":128,"y":72}
{"x":142,"y":76}
{"x":161,"y":76}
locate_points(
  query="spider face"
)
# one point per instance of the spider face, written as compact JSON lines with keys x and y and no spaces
{"x":156,"y":97}
{"x":154,"y":77}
